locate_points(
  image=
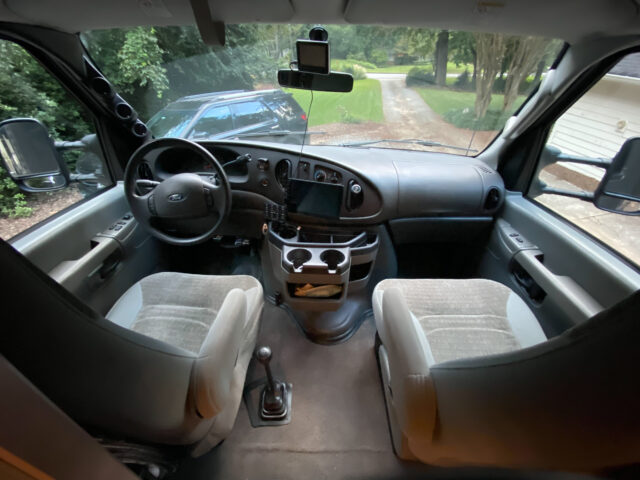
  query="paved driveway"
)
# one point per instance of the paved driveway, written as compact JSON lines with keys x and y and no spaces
{"x":407,"y":116}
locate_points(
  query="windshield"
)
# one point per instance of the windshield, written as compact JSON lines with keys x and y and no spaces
{"x":415,"y":88}
{"x":169,"y":122}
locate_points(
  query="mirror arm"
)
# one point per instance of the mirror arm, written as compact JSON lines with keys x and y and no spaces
{"x":63,"y":145}
{"x":568,"y":193}
{"x":82,"y":177}
{"x":597,"y":162}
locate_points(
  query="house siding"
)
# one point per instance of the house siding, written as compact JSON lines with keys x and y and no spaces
{"x":600,"y":122}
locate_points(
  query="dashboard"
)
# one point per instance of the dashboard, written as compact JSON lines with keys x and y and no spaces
{"x":341,"y":185}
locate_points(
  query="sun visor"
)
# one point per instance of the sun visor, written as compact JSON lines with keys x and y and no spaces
{"x":211,"y":15}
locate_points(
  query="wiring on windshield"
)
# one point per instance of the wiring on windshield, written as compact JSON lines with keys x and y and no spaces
{"x":306,"y":126}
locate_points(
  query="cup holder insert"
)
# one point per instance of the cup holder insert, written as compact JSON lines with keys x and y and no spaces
{"x":288,"y":233}
{"x":332,"y":258}
{"x":299,"y":257}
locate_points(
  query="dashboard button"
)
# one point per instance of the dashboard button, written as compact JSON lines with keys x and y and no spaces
{"x":320,"y":176}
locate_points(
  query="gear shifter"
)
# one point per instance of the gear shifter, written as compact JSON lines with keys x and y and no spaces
{"x":273,"y":405}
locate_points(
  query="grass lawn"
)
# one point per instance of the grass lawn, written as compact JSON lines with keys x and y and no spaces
{"x":442,"y":100}
{"x":363,"y":104}
{"x":453,"y":68}
{"x":394,"y":68}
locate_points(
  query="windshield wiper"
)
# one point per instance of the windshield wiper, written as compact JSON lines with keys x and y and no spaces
{"x":272,"y":133}
{"x":424,"y":143}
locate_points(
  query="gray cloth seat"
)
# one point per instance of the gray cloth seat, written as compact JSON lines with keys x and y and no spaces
{"x":167,"y":367}
{"x":215,"y":317}
{"x":470,"y":379}
{"x":179,"y":309}
{"x":464,"y":318}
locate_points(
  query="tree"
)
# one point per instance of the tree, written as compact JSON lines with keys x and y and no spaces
{"x":526,"y":53}
{"x":490,"y":48}
{"x":441,"y":57}
{"x":141,"y":62}
{"x":462,"y":49}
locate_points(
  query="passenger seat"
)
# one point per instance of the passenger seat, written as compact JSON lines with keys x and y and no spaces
{"x":470,"y":379}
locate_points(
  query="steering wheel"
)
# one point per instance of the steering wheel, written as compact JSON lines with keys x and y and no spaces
{"x":184,"y":209}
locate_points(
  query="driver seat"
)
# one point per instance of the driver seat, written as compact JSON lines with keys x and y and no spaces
{"x":166,"y":366}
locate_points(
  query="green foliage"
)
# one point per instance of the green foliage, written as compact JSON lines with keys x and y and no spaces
{"x":140,"y":59}
{"x":524,"y":87}
{"x":190,"y":67}
{"x":363,"y":104}
{"x":420,"y":76}
{"x":358,"y":57}
{"x":466,"y":118}
{"x":462,"y":48}
{"x":441,"y":100}
{"x":402,"y":58}
{"x":343,"y":65}
{"x":457,"y":107}
{"x":379,"y":57}
{"x":358,"y":71}
{"x":12,"y":200}
{"x":27,"y":90}
{"x":464,"y":81}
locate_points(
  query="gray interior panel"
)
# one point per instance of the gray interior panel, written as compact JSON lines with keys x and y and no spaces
{"x":82,"y":250}
{"x":579,"y":276}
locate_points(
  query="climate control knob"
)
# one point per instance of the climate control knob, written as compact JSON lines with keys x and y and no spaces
{"x":356,"y":189}
{"x":320,"y":176}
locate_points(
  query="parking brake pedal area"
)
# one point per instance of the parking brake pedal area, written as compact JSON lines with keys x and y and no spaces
{"x":268,"y":400}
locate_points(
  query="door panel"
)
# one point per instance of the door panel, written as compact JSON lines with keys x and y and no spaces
{"x":79,"y":250}
{"x":578,"y":277}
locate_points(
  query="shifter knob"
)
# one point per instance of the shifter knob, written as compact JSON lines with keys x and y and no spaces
{"x":263,"y":355}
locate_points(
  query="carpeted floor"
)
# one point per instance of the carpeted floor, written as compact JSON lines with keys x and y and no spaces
{"x":339,"y":425}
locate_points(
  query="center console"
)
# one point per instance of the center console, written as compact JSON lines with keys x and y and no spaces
{"x":322,"y":277}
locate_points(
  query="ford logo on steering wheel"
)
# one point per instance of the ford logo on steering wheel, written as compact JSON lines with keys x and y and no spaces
{"x":175,"y":197}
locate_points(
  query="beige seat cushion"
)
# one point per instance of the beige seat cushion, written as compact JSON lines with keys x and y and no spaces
{"x":469,"y":380}
{"x":179,"y":308}
{"x":215,"y":317}
{"x":465,"y":318}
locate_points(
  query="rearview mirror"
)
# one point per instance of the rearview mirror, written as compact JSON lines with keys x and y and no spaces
{"x":333,"y":82}
{"x":619,"y":190}
{"x":29,"y":155}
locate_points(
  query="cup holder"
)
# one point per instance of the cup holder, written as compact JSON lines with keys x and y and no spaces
{"x":332,"y":258}
{"x":288,"y":232}
{"x":299,"y":257}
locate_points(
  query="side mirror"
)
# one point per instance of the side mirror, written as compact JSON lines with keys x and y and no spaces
{"x":29,"y":155}
{"x":619,"y":189}
{"x":332,"y":82}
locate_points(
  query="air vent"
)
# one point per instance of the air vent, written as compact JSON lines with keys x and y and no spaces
{"x":486,"y":170}
{"x":144,"y":171}
{"x":493,"y":199}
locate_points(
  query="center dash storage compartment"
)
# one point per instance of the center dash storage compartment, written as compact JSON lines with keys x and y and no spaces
{"x":316,"y":266}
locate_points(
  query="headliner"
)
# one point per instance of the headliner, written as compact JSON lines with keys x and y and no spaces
{"x":570,"y":20}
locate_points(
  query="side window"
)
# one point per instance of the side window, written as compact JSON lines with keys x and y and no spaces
{"x":593,"y":129}
{"x":213,"y":121}
{"x":250,"y":113}
{"x":27,"y":90}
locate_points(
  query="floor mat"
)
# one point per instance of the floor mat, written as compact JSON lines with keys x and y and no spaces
{"x":339,"y":426}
